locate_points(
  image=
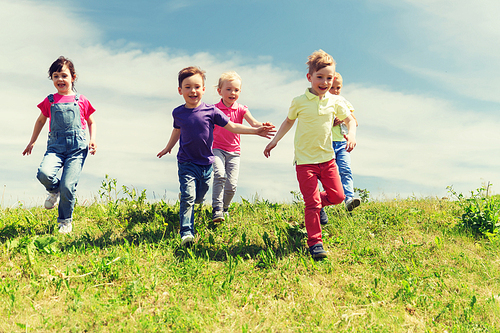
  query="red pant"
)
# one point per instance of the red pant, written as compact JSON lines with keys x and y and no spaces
{"x":308,"y":176}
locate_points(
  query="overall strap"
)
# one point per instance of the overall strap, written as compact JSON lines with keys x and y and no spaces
{"x":51,"y":98}
{"x":77,"y":97}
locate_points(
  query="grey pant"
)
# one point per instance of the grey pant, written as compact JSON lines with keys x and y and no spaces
{"x":226,"y":170}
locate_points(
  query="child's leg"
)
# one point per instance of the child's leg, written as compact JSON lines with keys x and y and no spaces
{"x":72,"y":169}
{"x":232,"y":171}
{"x":219,"y":179}
{"x":47,"y":172}
{"x":203,"y":182}
{"x":333,"y":193}
{"x":194,"y":183}
{"x":307,"y":175}
{"x":187,"y":181}
{"x":343,"y":160}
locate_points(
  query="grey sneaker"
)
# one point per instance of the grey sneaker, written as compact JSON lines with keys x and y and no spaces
{"x":226,"y":214}
{"x":65,"y":227}
{"x":218,"y":216}
{"x":187,"y":240}
{"x":352,"y":203}
{"x":323,"y":218}
{"x":317,"y":251}
{"x":51,"y":200}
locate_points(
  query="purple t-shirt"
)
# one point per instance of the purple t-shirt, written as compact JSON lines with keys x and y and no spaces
{"x":197,"y":132}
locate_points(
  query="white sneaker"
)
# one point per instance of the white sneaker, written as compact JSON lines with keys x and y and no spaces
{"x":51,"y":200}
{"x":186,"y":240}
{"x":352,"y":203}
{"x":65,"y":227}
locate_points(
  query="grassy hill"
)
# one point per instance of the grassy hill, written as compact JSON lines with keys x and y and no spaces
{"x":405,"y":265}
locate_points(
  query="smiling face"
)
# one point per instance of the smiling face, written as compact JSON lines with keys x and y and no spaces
{"x":63,"y":81}
{"x":336,"y":87}
{"x":321,"y":80}
{"x":230,"y":91}
{"x":192,"y":89}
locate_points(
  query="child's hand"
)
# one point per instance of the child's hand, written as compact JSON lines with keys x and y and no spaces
{"x":337,"y":122}
{"x":267,"y":124}
{"x":270,"y":146}
{"x":28,"y":149}
{"x":164,"y":152}
{"x":92,"y":147}
{"x":351,"y":143}
{"x":266,"y":131}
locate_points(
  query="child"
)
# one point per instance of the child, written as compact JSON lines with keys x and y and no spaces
{"x":194,"y":124}
{"x":342,"y":156}
{"x":69,"y":113}
{"x":314,"y":156}
{"x":226,"y":147}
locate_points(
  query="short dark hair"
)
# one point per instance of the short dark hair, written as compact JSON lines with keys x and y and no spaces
{"x":190,"y":71}
{"x":58,"y":65}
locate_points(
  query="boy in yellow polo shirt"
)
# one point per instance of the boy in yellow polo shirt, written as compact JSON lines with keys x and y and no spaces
{"x":314,"y":159}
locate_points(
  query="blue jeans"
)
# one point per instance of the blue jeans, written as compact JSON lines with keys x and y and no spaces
{"x":194,"y":182}
{"x":343,"y":159}
{"x":67,"y":151}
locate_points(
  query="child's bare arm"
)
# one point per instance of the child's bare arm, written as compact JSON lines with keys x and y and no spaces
{"x":351,"y":136}
{"x":284,"y":128}
{"x":266,"y":131}
{"x":92,"y":132}
{"x":174,"y":137}
{"x":254,"y":122}
{"x":39,"y":123}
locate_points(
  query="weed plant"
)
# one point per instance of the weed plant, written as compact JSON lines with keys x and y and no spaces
{"x":404,"y":265}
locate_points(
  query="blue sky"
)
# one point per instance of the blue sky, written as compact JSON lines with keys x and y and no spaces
{"x":422,"y":76}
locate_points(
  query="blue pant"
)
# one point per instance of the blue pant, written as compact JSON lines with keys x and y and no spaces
{"x":67,"y":152}
{"x":194,"y":182}
{"x":343,"y":159}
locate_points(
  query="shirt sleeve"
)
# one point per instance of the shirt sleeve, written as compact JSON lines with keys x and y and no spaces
{"x":220,"y":118}
{"x":87,"y":108}
{"x":44,"y":107}
{"x":292,"y":111}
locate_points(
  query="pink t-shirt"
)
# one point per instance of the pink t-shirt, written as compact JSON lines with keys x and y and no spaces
{"x":86,"y":109}
{"x":223,"y":139}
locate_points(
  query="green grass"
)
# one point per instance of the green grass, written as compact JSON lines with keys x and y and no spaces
{"x":405,"y":265}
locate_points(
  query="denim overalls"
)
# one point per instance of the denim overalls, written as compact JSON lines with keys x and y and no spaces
{"x":67,"y":149}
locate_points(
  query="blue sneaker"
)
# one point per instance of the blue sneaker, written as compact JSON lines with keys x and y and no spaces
{"x":323,"y":218}
{"x":317,"y":251}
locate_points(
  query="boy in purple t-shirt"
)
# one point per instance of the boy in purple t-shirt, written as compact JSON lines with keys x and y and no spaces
{"x":193,"y":125}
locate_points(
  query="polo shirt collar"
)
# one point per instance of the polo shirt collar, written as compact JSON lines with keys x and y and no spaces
{"x":221,"y":106}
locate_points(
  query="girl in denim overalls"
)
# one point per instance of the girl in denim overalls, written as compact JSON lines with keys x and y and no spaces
{"x":69,"y":113}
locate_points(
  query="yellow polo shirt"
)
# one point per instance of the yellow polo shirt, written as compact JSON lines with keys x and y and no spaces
{"x":313,"y":135}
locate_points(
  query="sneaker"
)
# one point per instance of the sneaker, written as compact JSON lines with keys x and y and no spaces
{"x":352,"y":203}
{"x":226,"y":214}
{"x":317,"y":251}
{"x":51,"y":200}
{"x":187,"y":240}
{"x":65,"y":227}
{"x":217,"y":216}
{"x":323,"y":218}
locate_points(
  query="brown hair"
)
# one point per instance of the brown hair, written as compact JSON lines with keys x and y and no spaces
{"x":190,"y":71}
{"x":318,"y":60}
{"x":58,"y":65}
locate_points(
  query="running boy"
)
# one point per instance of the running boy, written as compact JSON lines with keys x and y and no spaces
{"x":194,"y":124}
{"x":314,"y":156}
{"x":342,"y":156}
{"x":226,"y":145}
